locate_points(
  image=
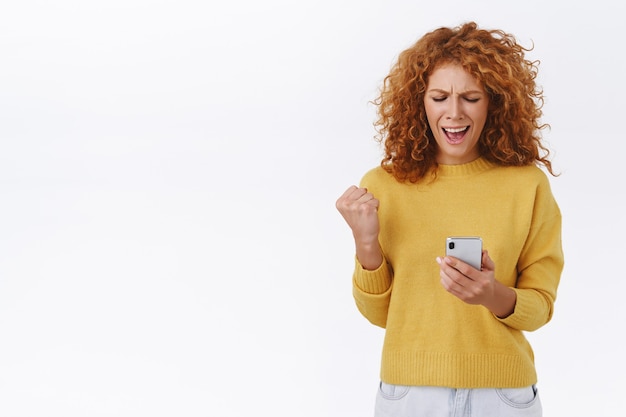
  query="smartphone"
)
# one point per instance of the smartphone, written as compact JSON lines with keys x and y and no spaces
{"x":469,"y":249}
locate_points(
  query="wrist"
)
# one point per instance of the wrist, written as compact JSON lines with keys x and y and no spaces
{"x":503,"y":301}
{"x":369,"y":255}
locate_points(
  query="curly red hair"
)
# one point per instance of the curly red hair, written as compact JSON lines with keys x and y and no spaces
{"x":511,"y":135}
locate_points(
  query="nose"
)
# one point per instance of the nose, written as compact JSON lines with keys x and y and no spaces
{"x":455,"y":110}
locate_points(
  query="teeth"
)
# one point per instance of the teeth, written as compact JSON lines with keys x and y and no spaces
{"x":460,"y":129}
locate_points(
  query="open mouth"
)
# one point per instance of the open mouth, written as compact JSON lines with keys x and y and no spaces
{"x":455,"y":134}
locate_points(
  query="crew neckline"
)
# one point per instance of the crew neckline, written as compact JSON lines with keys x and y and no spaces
{"x":476,"y":166}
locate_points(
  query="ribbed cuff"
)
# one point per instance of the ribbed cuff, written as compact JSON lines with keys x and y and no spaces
{"x":529,"y":313}
{"x":377,"y":281}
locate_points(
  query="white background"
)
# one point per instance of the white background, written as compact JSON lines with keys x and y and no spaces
{"x":169,"y":244}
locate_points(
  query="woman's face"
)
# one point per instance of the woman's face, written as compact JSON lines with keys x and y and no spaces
{"x":456,"y":107}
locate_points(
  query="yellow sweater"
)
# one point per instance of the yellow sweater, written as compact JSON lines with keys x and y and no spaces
{"x":432,"y":337}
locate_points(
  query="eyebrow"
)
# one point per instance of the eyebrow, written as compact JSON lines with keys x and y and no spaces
{"x":439,"y":90}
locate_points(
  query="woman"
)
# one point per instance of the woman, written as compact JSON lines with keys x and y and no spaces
{"x":459,"y":119}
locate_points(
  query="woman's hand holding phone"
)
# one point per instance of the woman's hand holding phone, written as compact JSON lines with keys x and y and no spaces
{"x":478,"y":287}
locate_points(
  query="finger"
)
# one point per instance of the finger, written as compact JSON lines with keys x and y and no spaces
{"x":450,"y":285}
{"x":367,"y":208}
{"x":349,"y":196}
{"x":368,"y":199}
{"x":374,"y":202}
{"x":455,"y":263}
{"x":450,"y":276}
{"x":348,"y":192}
{"x":464,"y":268}
{"x":362,"y":195}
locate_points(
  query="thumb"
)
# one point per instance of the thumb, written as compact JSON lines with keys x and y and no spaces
{"x":487,"y":262}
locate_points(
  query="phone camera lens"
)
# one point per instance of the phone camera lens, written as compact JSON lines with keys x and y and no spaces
{"x":451,"y":245}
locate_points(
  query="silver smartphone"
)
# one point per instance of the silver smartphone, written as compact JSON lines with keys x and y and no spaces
{"x":469,"y":249}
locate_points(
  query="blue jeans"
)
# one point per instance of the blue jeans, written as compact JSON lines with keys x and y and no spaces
{"x":404,"y":401}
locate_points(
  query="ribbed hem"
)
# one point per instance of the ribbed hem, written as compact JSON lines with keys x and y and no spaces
{"x":457,"y":370}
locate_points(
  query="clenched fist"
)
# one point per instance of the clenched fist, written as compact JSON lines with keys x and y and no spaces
{"x":359,"y":208}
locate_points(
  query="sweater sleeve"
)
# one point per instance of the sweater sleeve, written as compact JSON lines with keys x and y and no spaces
{"x":539,"y":267}
{"x":372,"y":292}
